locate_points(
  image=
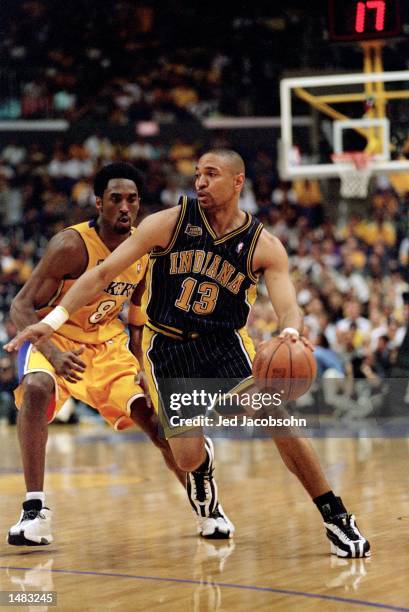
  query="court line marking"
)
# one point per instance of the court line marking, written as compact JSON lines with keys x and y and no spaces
{"x":361,"y":602}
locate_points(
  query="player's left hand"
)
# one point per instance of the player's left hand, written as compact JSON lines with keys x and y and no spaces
{"x":290,"y":336}
{"x":294,"y":337}
{"x":35,"y":334}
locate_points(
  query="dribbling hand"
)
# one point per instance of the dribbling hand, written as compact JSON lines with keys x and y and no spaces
{"x":295,"y":337}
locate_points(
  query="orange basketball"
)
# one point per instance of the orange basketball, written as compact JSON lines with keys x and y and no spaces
{"x":287,"y":367}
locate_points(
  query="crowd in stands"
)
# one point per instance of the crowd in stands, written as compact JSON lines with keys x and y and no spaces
{"x":123,"y":62}
{"x":120,"y":61}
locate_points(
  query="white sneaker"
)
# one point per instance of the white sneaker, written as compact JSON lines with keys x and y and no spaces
{"x":216,"y":526}
{"x":34,"y":526}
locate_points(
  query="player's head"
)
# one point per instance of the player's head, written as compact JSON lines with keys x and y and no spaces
{"x":117,"y":190}
{"x":220,"y":176}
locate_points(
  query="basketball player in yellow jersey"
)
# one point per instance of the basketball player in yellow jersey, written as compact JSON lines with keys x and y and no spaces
{"x":89,"y":358}
{"x":204,"y":313}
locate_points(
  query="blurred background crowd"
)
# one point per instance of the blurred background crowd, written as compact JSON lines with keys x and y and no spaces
{"x":124,"y":61}
{"x":120,"y":81}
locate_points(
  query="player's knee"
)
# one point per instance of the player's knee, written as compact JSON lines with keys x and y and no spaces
{"x":188,"y":462}
{"x":38,"y":388}
{"x":188,"y":452}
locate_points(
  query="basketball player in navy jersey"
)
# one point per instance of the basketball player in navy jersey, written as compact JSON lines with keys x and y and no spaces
{"x":206,"y":256}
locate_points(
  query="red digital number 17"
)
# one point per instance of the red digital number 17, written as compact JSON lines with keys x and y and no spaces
{"x":376,"y":5}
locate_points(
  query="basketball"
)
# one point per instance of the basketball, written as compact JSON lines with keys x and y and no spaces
{"x":286,"y":366}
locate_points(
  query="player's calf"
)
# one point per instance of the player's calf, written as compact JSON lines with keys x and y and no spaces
{"x":145,"y":417}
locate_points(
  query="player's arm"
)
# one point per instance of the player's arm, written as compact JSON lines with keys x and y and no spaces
{"x":154,"y":231}
{"x":270,"y":258}
{"x":136,"y":321}
{"x":65,"y":257}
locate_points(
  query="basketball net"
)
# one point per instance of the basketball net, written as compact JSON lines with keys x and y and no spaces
{"x":354,"y":172}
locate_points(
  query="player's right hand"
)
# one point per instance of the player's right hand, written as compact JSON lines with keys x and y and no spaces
{"x":68,"y":365}
{"x":35,"y":334}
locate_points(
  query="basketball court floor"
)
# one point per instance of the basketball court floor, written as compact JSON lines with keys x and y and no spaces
{"x":125,"y":536}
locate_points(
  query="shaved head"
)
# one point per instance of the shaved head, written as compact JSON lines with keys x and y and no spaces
{"x":234,"y":160}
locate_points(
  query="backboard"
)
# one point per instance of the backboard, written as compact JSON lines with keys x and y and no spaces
{"x":345,"y":108}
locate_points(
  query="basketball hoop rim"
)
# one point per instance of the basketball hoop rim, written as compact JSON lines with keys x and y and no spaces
{"x":360,"y":159}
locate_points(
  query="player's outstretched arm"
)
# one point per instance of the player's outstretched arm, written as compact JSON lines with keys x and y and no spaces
{"x":155,"y":230}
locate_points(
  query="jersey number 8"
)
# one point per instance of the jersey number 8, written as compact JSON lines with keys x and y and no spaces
{"x":102,"y":311}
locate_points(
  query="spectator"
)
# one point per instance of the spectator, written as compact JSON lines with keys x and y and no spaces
{"x":381,"y":357}
{"x":352,"y":312}
{"x":326,"y":358}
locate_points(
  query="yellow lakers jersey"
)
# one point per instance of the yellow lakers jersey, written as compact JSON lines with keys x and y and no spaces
{"x":98,"y":322}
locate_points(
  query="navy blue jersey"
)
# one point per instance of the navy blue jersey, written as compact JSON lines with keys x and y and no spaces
{"x":200,"y":282}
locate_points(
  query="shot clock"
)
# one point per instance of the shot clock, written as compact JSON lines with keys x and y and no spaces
{"x":356,"y":20}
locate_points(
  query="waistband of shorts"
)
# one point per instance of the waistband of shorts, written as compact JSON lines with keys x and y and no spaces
{"x":173,"y":332}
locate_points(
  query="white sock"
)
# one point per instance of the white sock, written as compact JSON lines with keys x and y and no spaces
{"x":36,"y":495}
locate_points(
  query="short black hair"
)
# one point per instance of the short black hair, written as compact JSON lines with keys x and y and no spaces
{"x":234,"y":158}
{"x":119,"y":170}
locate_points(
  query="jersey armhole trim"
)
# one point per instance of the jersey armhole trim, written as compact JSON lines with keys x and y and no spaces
{"x":176,"y":231}
{"x":54,"y":297}
{"x":252,"y":248}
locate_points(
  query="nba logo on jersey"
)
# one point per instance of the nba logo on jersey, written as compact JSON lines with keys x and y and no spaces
{"x":193,"y":230}
{"x":239,"y":247}
{"x":138,"y":267}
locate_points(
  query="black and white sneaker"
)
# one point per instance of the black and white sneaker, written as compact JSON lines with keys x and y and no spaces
{"x":202,"y":492}
{"x":201,"y":486}
{"x":345,"y":537}
{"x":216,"y":526}
{"x":34,"y":526}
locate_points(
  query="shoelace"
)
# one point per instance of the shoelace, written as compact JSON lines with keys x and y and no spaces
{"x":216,"y":514}
{"x":200,"y":480}
{"x":342,"y":521}
{"x":30,"y":515}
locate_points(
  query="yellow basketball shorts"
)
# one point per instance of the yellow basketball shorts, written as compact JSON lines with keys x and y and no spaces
{"x":226,"y":355}
{"x":109,"y":383}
